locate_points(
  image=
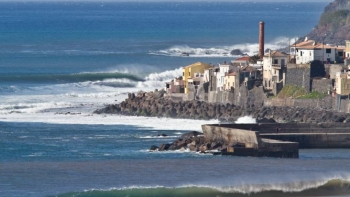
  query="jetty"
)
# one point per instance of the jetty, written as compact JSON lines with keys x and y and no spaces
{"x":277,"y":139}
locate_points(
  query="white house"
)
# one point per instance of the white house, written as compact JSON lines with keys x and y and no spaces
{"x":221,"y":75}
{"x":273,"y":64}
{"x":242,"y":61}
{"x":310,"y":50}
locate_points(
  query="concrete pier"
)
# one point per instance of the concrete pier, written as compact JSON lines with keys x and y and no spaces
{"x":247,"y":142}
{"x":307,"y":135}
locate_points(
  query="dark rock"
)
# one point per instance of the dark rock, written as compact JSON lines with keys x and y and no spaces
{"x":154,"y":148}
{"x":216,"y":146}
{"x":191,"y":134}
{"x":236,"y":52}
{"x":266,"y":120}
{"x":162,"y":135}
{"x":164,"y":147}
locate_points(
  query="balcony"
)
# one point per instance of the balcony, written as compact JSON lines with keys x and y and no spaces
{"x":276,"y":66}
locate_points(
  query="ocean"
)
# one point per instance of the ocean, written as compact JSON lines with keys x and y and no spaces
{"x":60,"y":61}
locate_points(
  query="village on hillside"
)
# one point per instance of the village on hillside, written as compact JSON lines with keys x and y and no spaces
{"x":312,"y":75}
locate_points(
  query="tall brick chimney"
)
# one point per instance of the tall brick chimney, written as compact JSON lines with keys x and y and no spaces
{"x":261,"y":39}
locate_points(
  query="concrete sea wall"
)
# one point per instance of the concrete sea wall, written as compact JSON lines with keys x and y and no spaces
{"x":308,"y":135}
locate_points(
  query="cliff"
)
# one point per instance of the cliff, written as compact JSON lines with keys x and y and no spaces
{"x":334,"y":24}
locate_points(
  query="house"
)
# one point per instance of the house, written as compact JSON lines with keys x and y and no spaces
{"x":210,"y":77}
{"x":342,"y":84}
{"x":242,"y":61}
{"x":250,"y":77}
{"x":221,"y":75}
{"x":175,"y":86}
{"x":274,"y":63}
{"x":347,"y":49}
{"x":193,"y":71}
{"x":230,"y":81}
{"x":310,"y":50}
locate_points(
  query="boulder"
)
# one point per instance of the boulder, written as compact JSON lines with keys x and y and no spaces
{"x":154,"y":148}
{"x":236,"y":52}
{"x":191,"y":134}
{"x":164,"y":147}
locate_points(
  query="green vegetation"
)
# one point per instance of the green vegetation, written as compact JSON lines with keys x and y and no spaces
{"x":293,"y":91}
{"x":335,"y":19}
{"x":253,"y":59}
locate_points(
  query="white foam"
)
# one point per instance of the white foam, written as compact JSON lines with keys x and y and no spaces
{"x":245,"y":119}
{"x":74,"y":103}
{"x":251,"y":188}
{"x":144,"y":122}
{"x":157,"y":80}
{"x":223,"y":51}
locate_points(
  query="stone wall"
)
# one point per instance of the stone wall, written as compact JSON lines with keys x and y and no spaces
{"x":322,"y":85}
{"x":333,"y":69}
{"x":325,"y":103}
{"x":221,"y":97}
{"x":256,"y":97}
{"x":277,"y":87}
{"x":342,"y":103}
{"x":298,"y":75}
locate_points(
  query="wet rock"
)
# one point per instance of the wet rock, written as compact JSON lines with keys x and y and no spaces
{"x":164,"y":147}
{"x":191,"y":134}
{"x":154,"y":148}
{"x":236,"y":52}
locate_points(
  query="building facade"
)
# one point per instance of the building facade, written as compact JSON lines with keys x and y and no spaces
{"x":274,"y":63}
{"x":194,"y":71}
{"x":347,"y":49}
{"x":310,"y":50}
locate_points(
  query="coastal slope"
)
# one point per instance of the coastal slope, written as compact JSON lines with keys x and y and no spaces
{"x":334,"y":24}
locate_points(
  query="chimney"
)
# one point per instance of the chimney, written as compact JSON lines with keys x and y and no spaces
{"x":261,"y":39}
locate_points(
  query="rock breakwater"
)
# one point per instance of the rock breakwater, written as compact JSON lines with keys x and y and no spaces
{"x":157,"y":104}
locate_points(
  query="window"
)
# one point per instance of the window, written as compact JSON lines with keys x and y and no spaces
{"x":301,"y":53}
{"x":328,"y":50}
{"x":275,"y":61}
{"x":189,"y":74}
{"x":183,"y":73}
{"x":340,"y":53}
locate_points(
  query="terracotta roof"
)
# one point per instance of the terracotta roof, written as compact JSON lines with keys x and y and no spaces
{"x":245,"y":58}
{"x":248,"y":68}
{"x":231,"y":74}
{"x":311,"y":44}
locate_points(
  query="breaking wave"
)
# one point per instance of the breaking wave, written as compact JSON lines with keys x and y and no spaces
{"x":222,"y":51}
{"x":325,"y":187}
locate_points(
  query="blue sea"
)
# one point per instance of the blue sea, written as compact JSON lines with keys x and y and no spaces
{"x":60,"y":61}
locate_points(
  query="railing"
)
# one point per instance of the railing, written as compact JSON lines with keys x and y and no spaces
{"x":276,"y":66}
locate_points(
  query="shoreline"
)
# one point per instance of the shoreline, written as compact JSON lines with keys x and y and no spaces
{"x":157,"y":104}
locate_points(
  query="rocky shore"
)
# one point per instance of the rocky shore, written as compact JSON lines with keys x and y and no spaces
{"x":156,"y":104}
{"x":194,"y":141}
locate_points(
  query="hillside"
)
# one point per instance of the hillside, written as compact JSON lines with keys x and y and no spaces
{"x":334,"y":23}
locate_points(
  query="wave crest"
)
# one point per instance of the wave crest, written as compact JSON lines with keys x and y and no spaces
{"x":330,"y":187}
{"x":223,"y":51}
